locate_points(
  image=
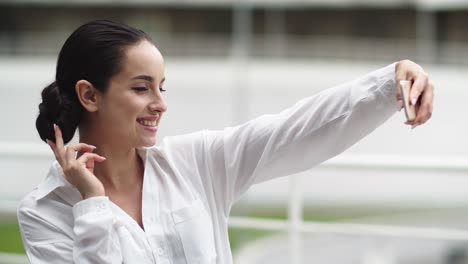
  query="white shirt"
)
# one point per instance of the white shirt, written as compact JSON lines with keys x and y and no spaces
{"x":191,"y":182}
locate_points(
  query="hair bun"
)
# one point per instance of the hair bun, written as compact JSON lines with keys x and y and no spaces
{"x":57,"y":109}
{"x":49,"y":109}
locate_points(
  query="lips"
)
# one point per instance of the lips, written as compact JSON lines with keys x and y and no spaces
{"x":149,"y":123}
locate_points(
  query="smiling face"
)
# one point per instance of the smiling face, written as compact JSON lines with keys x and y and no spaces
{"x":131,"y":108}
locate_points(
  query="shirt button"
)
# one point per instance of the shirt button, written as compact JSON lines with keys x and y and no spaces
{"x":160,"y":251}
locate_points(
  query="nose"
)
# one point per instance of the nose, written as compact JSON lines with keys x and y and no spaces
{"x":158,"y":104}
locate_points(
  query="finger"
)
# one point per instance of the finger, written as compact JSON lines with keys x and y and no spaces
{"x":77,"y":150}
{"x":53,"y":147}
{"x":70,"y":154}
{"x":82,"y":147}
{"x":420,"y":83}
{"x":400,"y":105}
{"x":90,"y":156}
{"x":90,"y":165}
{"x":51,"y":144}
{"x":399,"y":76}
{"x":398,"y":95}
{"x":58,"y":157}
{"x":426,"y":106}
{"x":412,"y":122}
{"x":60,"y":149}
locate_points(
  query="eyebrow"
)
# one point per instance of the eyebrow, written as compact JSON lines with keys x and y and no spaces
{"x":147,"y":78}
{"x":144,"y":77}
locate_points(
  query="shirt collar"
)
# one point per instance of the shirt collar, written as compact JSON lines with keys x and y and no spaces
{"x":54,"y":180}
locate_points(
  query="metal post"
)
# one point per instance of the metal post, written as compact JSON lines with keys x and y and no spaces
{"x":241,"y":43}
{"x":275,"y":27}
{"x":426,"y":36}
{"x":295,"y":219}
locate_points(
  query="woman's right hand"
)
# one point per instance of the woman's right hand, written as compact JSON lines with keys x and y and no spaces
{"x":78,"y":170}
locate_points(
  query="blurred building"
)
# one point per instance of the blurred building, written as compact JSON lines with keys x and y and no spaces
{"x":429,"y":31}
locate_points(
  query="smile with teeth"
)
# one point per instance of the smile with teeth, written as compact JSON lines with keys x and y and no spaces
{"x":148,"y":123}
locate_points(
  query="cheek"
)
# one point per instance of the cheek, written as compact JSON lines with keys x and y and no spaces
{"x":121,"y":112}
{"x":129,"y":103}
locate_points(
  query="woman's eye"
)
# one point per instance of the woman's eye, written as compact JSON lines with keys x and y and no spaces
{"x":162,"y":90}
{"x":140,"y":89}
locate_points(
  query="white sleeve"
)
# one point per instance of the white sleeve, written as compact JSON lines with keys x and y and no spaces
{"x":46,"y":242}
{"x":300,"y":137}
{"x":94,"y":224}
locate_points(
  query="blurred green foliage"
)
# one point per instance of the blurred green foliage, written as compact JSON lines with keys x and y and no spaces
{"x":10,"y":239}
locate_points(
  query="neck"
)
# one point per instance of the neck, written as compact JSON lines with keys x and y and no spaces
{"x":123,"y":168}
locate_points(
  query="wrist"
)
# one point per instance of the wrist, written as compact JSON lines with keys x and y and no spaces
{"x":93,"y":193}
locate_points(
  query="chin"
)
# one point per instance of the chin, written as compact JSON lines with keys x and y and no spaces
{"x":148,"y":143}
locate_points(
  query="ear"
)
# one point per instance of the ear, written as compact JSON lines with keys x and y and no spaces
{"x":87,"y":95}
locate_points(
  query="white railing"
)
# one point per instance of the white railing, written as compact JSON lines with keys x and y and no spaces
{"x":8,"y":258}
{"x":347,"y":229}
{"x":295,"y":224}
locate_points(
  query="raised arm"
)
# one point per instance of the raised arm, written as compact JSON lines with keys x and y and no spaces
{"x":310,"y":132}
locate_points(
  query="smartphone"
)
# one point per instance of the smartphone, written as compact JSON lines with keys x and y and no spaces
{"x":410,"y":110}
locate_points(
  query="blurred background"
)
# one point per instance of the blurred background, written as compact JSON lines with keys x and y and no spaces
{"x":398,"y":196}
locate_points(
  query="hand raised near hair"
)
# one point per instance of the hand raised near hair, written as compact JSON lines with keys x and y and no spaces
{"x":78,"y":170}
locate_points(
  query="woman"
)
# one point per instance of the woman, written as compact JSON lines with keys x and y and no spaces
{"x":115,"y":197}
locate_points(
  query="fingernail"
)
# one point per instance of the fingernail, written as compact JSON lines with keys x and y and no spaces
{"x":55,"y":127}
{"x":413,"y":101}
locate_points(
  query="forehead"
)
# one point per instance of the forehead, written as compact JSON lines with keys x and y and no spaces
{"x":142,"y":58}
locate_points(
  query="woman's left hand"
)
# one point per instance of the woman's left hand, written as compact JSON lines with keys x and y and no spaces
{"x":421,"y":93}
